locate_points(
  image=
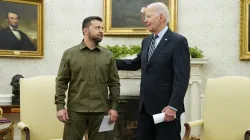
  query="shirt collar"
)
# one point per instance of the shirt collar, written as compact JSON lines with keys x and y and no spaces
{"x":82,"y":45}
{"x":162,"y":32}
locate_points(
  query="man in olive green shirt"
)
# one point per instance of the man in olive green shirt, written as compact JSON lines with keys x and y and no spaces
{"x":91,"y":72}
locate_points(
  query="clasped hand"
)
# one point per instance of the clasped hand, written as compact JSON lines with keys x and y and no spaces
{"x":113,"y":116}
{"x":170,"y":114}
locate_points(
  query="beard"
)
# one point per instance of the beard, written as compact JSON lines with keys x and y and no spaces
{"x":95,"y":38}
{"x":14,"y":26}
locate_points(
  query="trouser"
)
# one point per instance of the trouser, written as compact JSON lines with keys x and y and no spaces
{"x":79,"y":123}
{"x":147,"y":130}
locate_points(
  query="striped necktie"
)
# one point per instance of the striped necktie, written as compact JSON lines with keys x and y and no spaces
{"x":152,"y":47}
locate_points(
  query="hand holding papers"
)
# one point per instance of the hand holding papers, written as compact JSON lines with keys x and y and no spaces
{"x":105,"y":125}
{"x":158,"y":118}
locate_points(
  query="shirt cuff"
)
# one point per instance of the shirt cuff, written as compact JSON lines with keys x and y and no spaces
{"x":173,"y":108}
{"x":59,"y":107}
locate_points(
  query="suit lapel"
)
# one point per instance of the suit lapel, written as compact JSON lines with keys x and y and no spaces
{"x":163,"y":42}
{"x":11,"y":35}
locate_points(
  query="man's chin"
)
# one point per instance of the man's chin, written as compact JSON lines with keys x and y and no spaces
{"x":15,"y":27}
{"x":149,"y":29}
{"x":98,"y":40}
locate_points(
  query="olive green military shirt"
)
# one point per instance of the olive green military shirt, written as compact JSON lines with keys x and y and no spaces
{"x":88,"y":75}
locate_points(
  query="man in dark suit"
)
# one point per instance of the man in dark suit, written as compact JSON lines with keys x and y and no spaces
{"x":165,"y":67}
{"x":13,"y":39}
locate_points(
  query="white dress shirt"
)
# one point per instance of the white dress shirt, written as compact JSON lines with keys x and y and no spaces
{"x":160,"y":35}
{"x":16,"y":33}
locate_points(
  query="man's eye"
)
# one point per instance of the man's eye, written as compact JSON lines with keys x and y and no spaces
{"x":98,"y":28}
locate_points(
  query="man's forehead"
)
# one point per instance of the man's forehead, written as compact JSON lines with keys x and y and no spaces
{"x":12,"y":14}
{"x":96,"y":22}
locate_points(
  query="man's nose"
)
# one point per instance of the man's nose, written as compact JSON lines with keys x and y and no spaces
{"x":101,"y":30}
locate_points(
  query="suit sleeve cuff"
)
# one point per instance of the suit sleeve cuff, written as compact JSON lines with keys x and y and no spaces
{"x":114,"y":106}
{"x":173,"y":108}
{"x":59,"y":107}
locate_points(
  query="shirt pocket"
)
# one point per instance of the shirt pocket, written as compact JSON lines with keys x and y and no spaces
{"x":103,"y":68}
{"x":80,"y":69}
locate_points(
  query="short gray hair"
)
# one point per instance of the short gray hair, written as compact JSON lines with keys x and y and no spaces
{"x":161,"y":9}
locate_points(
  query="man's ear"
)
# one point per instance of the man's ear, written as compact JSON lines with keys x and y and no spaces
{"x":162,"y":18}
{"x":85,"y":30}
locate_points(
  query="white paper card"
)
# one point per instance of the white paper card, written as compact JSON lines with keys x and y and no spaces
{"x":105,"y":126}
{"x":158,"y":118}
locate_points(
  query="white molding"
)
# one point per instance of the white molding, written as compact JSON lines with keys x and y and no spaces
{"x":199,"y":61}
{"x":195,"y":62}
{"x":193,"y":81}
{"x":5,"y":99}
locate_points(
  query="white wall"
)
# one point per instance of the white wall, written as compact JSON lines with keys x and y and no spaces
{"x":211,"y":25}
{"x":214,"y":26}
